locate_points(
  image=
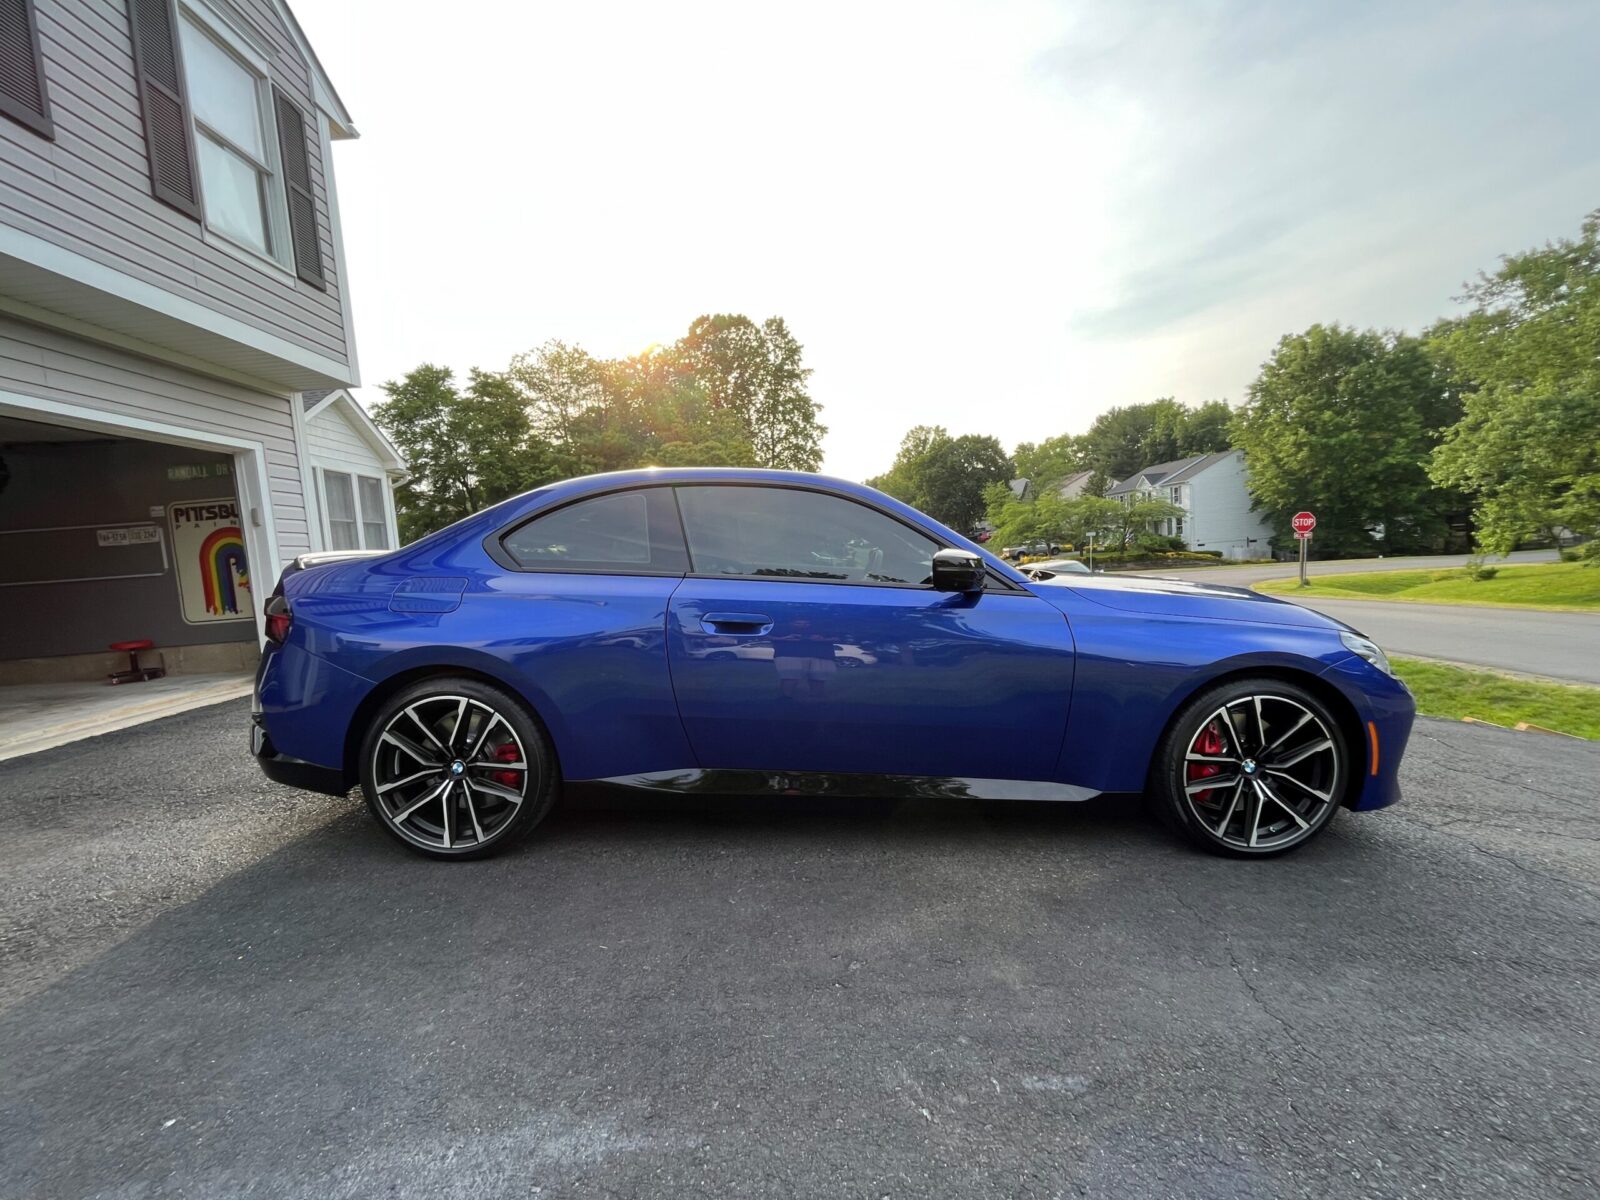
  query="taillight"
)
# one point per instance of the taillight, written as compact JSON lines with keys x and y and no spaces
{"x":279,"y":618}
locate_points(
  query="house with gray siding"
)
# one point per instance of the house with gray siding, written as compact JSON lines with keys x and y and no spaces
{"x":172,"y":278}
{"x":1214,"y":492}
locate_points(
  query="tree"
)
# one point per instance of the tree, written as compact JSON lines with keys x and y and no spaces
{"x":754,"y":374}
{"x":1121,"y":440}
{"x":1342,"y":422}
{"x":1528,"y":444}
{"x":1046,"y":517}
{"x":464,"y":449}
{"x":946,"y":476}
{"x":1051,"y":461}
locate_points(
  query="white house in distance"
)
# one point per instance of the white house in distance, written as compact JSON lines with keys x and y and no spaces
{"x":172,"y":278}
{"x":1213,"y":490}
{"x":354,"y":470}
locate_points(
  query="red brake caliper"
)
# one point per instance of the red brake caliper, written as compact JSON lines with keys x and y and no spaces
{"x":506,"y":754}
{"x":1209,"y":742}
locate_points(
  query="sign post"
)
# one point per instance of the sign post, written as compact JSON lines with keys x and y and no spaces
{"x":1303,"y":523}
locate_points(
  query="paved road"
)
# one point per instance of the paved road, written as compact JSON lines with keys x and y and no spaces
{"x":1560,"y":645}
{"x":1255,"y":572}
{"x":212,"y":987}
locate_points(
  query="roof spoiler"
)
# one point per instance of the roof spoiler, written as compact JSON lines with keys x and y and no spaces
{"x":319,"y":558}
{"x":323,"y":557}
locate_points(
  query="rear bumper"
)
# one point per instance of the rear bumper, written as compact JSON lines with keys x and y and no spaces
{"x":293,"y":772}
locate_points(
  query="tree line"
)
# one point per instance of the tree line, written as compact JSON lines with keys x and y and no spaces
{"x":729,"y":392}
{"x":1487,"y":422}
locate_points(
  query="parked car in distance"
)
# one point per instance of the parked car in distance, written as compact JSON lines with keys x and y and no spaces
{"x":744,"y":631}
{"x":1052,"y":567}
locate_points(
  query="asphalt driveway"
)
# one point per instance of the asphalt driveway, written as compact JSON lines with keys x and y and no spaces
{"x":213,"y":987}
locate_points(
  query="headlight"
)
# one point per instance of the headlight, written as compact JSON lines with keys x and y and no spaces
{"x":1368,"y":649}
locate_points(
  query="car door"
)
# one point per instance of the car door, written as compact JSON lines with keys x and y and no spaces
{"x":807,"y":637}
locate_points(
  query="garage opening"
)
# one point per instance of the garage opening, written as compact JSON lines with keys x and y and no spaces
{"x":107,"y":539}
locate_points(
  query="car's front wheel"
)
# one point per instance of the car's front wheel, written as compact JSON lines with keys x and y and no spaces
{"x":454,"y":768}
{"x":1251,"y":767}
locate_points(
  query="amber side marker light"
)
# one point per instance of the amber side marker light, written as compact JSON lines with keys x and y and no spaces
{"x":1372,"y":736}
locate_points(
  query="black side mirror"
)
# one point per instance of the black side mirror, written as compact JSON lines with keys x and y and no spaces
{"x":958,"y":571}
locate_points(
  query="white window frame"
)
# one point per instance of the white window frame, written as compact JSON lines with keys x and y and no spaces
{"x":384,"y":516}
{"x":280,"y":248}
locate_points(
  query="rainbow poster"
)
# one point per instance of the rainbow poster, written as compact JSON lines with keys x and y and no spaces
{"x":208,"y":546}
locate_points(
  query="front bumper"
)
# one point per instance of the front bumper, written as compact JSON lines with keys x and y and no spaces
{"x":293,"y":772}
{"x":1386,"y":710}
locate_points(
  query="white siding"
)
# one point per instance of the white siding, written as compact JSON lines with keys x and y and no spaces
{"x":1219,"y":511}
{"x":334,"y":444}
{"x":56,"y":366}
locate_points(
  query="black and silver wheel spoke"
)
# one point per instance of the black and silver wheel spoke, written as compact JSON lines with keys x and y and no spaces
{"x":1262,"y":772}
{"x":444,"y":754}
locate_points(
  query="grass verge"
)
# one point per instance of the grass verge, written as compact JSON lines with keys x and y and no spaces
{"x":1443,"y":690}
{"x":1561,"y":587}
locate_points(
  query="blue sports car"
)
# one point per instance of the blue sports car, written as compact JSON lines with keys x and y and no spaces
{"x":745,"y":631}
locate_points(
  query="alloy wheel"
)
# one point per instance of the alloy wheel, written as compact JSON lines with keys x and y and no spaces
{"x":449,"y":773}
{"x":1263,"y":772}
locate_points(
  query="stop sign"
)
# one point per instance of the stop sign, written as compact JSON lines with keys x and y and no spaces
{"x":1304,"y":522}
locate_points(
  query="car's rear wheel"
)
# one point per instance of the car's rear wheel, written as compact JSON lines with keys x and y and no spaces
{"x":1252,"y":767}
{"x":454,"y":768}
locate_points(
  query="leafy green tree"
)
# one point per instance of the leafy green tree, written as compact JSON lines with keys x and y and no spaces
{"x":946,"y":477}
{"x":1342,"y":422}
{"x":1135,"y":525}
{"x":755,"y":374}
{"x":1050,"y":460}
{"x":1045,"y":516}
{"x":1123,"y":439}
{"x":465,"y":449}
{"x":1528,"y":444}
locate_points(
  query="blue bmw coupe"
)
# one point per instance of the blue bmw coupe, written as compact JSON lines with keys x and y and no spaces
{"x":745,"y":631}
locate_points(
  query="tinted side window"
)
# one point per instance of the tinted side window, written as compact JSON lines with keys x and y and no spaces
{"x":624,"y":532}
{"x":787,"y":533}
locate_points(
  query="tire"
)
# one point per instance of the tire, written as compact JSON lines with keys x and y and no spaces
{"x":497,"y":782}
{"x":1278,"y":760}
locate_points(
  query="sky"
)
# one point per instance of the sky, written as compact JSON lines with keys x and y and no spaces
{"x":999,"y":217}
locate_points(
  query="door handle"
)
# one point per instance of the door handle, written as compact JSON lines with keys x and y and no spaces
{"x":736,"y":623}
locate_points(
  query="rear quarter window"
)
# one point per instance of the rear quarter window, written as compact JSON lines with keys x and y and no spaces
{"x":624,"y":532}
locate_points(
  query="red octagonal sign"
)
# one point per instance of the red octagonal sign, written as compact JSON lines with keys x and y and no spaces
{"x":1304,"y":522}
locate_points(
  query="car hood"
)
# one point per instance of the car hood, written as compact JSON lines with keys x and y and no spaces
{"x":1181,"y":598}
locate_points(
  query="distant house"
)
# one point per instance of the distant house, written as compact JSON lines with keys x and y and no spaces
{"x":1068,"y":489}
{"x":1072,"y":486}
{"x":1213,"y":490}
{"x":354,"y":471}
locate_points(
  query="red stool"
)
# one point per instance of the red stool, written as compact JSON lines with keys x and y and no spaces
{"x":136,"y":673}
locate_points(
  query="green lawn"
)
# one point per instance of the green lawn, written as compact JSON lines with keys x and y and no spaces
{"x":1448,"y":691}
{"x":1570,"y":587}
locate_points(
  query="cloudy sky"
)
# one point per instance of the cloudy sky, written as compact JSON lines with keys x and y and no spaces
{"x":999,"y":217}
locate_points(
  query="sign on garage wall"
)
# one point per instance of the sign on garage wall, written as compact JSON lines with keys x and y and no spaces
{"x":127,"y":535}
{"x":208,"y":547}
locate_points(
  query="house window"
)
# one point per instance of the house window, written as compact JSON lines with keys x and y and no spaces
{"x":351,"y":527}
{"x":235,"y":140}
{"x":1177,"y":495}
{"x":374,"y":528}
